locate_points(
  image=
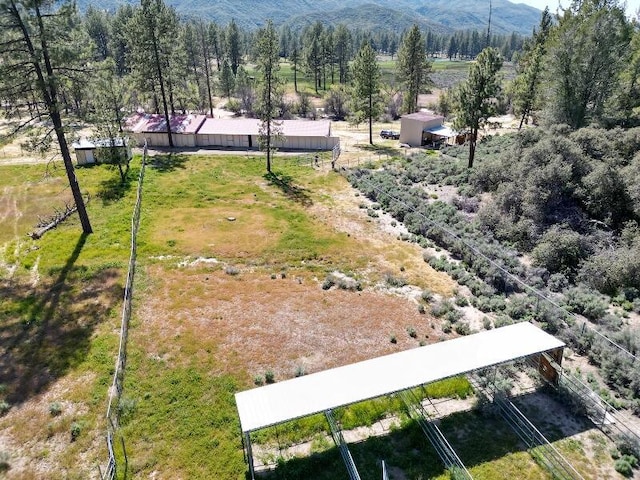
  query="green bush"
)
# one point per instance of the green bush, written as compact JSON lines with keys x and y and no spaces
{"x":269,"y":376}
{"x":623,"y":467}
{"x":55,"y":409}
{"x":76,"y":430}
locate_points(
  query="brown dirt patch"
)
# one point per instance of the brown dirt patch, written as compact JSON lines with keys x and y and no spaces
{"x":258,"y":323}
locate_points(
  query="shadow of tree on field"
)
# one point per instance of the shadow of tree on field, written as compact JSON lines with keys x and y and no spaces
{"x":114,"y":189}
{"x":293,"y":192}
{"x":167,"y":163}
{"x":45,"y":331}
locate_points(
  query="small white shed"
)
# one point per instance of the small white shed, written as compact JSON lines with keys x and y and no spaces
{"x":89,"y":152}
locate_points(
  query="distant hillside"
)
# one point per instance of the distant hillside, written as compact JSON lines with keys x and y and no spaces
{"x":439,"y":15}
{"x":368,"y":17}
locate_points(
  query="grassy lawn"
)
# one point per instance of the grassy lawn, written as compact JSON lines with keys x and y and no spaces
{"x":59,"y":316}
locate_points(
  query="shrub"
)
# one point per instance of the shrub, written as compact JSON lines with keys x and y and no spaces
{"x":440,"y":309}
{"x":421,"y":309}
{"x":55,"y":409}
{"x":393,"y":339}
{"x":231,"y":270}
{"x":328,"y":282}
{"x":623,"y":467}
{"x":486,"y":323}
{"x":4,"y":407}
{"x":412,"y":332}
{"x":426,"y":295}
{"x":269,"y":376}
{"x":300,"y":371}
{"x":394,"y":281}
{"x":5,"y":457}
{"x":585,"y":303}
{"x":560,"y":250}
{"x":76,"y":430}
{"x":461,"y":301}
{"x":258,"y":380}
{"x":462,"y":328}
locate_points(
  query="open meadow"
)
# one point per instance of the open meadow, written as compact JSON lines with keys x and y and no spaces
{"x":242,"y":278}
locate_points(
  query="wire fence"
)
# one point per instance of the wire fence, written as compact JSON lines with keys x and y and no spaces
{"x":115,"y":391}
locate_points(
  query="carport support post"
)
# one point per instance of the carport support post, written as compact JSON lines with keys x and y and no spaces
{"x":247,"y":444}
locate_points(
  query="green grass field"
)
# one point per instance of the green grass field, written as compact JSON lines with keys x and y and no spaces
{"x":186,"y":356}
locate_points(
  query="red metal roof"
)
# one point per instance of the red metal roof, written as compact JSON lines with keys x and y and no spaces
{"x":155,"y":123}
{"x":251,"y":126}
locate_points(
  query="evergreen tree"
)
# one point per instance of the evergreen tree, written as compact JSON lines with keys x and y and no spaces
{"x":413,"y":68}
{"x":267,"y":48}
{"x":343,"y":49}
{"x":530,"y":69}
{"x":233,"y":47}
{"x":313,"y":53}
{"x":294,"y":58}
{"x":153,"y":33}
{"x":586,"y":53}
{"x":227,"y":80}
{"x":37,"y":51}
{"x":366,"y":83}
{"x":474,"y":98}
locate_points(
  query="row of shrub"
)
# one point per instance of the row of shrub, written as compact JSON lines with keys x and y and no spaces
{"x":480,"y":257}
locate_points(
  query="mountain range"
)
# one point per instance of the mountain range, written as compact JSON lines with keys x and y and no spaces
{"x":441,"y":16}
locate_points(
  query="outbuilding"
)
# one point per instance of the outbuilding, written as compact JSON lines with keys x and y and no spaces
{"x":153,"y":128}
{"x":89,"y":152}
{"x":244,"y":133}
{"x":425,"y":128}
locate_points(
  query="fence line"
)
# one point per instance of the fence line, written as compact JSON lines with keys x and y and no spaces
{"x":118,"y":375}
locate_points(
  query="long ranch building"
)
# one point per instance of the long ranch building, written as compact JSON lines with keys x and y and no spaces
{"x":239,"y":133}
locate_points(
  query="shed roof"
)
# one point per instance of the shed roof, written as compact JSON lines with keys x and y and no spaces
{"x":272,"y":404}
{"x":251,"y":126}
{"x":424,"y":116}
{"x":86,"y":144}
{"x":156,"y":123}
{"x":442,"y":131}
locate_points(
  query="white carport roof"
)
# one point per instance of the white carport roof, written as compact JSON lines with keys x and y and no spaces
{"x":272,"y":404}
{"x":442,"y":130}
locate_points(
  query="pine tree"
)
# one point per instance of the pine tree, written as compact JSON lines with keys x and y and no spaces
{"x":366,"y":80}
{"x":267,"y":63}
{"x":227,"y":80}
{"x":233,"y":47}
{"x":37,"y":52}
{"x":587,"y":52}
{"x":530,"y":69}
{"x":152,"y":36}
{"x":413,"y":68}
{"x":474,"y":97}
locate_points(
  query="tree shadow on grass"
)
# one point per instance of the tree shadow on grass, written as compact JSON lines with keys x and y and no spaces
{"x":167,"y":163}
{"x":46,"y":331}
{"x":114,"y":189}
{"x":293,"y":192}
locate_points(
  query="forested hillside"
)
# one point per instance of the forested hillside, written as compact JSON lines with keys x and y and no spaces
{"x":441,"y":16}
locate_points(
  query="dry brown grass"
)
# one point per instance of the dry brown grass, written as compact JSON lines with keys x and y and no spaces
{"x":255,"y":323}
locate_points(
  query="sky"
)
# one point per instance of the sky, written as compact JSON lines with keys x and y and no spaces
{"x":632,"y":5}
